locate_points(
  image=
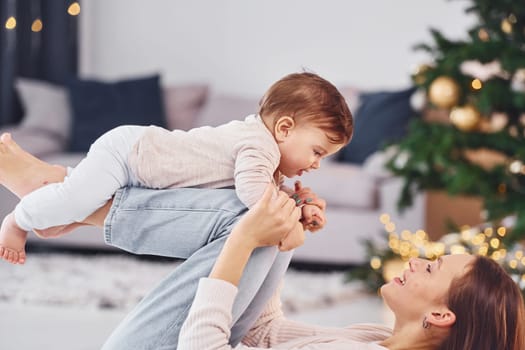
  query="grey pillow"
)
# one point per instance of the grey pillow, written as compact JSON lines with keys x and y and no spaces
{"x":182,"y":104}
{"x":46,"y":107}
{"x":221,"y":108}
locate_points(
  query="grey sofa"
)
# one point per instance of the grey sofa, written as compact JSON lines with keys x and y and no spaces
{"x":357,"y":195}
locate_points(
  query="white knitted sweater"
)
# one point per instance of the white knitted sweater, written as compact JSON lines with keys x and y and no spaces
{"x":208,"y":326}
{"x":243,"y":154}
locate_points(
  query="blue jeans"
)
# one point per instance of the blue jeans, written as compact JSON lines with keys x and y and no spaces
{"x":191,"y":224}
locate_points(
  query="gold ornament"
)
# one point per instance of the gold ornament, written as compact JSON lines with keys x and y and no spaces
{"x":485,"y":157}
{"x":419,"y":74}
{"x":444,"y":92}
{"x":506,"y":26}
{"x":498,"y":121}
{"x":518,"y":81}
{"x":465,"y":118}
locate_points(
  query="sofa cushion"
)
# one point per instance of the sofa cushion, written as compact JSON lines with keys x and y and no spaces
{"x":222,"y":108}
{"x":100,"y":106}
{"x":381,"y":117}
{"x":46,"y":108}
{"x":182,"y":104}
{"x":341,"y":185}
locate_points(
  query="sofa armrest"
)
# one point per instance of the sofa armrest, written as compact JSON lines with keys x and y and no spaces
{"x":35,"y":141}
{"x":341,"y":185}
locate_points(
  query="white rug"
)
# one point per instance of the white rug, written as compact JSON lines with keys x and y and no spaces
{"x":119,"y":282}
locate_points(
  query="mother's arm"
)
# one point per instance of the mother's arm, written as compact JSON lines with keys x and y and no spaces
{"x":207,"y":325}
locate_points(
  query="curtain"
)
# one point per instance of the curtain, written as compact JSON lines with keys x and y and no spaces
{"x":41,"y":45}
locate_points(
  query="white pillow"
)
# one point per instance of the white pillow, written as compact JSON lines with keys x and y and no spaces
{"x":46,"y":107}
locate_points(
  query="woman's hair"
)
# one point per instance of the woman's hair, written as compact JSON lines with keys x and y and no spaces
{"x":307,"y":97}
{"x":489,"y":309}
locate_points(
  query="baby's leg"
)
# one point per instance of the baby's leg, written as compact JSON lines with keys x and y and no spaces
{"x":21,"y":172}
{"x":12,"y":241}
{"x":87,"y":188}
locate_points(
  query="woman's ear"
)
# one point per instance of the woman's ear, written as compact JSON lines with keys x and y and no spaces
{"x":283,"y":127}
{"x":443,"y":318}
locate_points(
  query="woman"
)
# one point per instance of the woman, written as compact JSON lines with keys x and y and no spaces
{"x":458,"y":302}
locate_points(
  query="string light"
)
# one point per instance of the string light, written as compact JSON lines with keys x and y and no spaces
{"x":10,"y":23}
{"x":74,"y":9}
{"x":483,"y":35}
{"x":384,"y":218}
{"x":476,"y":84}
{"x":506,"y":26}
{"x":375,"y":263}
{"x":515,"y":167}
{"x":494,"y":243}
{"x":390,"y":227}
{"x":36,"y":26}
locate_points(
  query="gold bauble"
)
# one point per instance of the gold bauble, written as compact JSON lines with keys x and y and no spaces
{"x":444,"y":92}
{"x":506,"y":26}
{"x":465,"y":118}
{"x":419,"y":73}
{"x":498,"y":121}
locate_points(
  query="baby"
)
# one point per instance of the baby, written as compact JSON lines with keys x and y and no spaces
{"x":302,"y":119}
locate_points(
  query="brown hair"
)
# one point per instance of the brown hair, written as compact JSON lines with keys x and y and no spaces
{"x":489,"y":310}
{"x":310,"y":98}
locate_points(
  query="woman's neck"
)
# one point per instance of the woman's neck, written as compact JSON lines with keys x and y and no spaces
{"x":409,"y":337}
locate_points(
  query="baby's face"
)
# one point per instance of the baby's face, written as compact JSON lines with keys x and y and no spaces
{"x":303,"y":149}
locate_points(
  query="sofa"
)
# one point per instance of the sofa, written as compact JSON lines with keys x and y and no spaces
{"x":357,"y":193}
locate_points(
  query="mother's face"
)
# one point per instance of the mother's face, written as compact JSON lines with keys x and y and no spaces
{"x":424,"y":286}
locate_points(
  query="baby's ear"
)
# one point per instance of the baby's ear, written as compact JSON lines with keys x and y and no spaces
{"x":282,"y":127}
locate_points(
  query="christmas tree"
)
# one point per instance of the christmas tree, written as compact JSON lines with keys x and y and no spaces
{"x":472,"y":141}
{"x":469,"y":140}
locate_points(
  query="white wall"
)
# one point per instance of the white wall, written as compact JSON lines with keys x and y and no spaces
{"x":243,"y":46}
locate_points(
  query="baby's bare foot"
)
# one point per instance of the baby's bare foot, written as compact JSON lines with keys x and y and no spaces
{"x":12,"y":241}
{"x":21,"y":172}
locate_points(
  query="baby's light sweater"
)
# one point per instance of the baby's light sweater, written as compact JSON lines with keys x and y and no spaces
{"x":208,"y":326}
{"x":239,"y":153}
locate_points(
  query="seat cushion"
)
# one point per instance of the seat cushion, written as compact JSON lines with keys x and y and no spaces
{"x":182,"y":104}
{"x":100,"y":106}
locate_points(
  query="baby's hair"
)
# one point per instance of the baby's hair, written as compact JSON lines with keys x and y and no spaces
{"x":307,"y":97}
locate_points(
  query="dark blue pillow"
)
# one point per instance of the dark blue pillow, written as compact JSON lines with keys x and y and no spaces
{"x":100,"y":106}
{"x":381,"y":117}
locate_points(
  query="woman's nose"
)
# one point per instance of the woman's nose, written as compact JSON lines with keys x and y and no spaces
{"x":316,"y":165}
{"x":412,"y":263}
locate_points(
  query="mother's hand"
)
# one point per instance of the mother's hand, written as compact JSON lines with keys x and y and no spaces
{"x":268,"y":221}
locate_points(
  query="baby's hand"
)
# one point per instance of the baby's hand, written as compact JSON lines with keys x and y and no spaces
{"x":305,"y":195}
{"x":313,"y":218}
